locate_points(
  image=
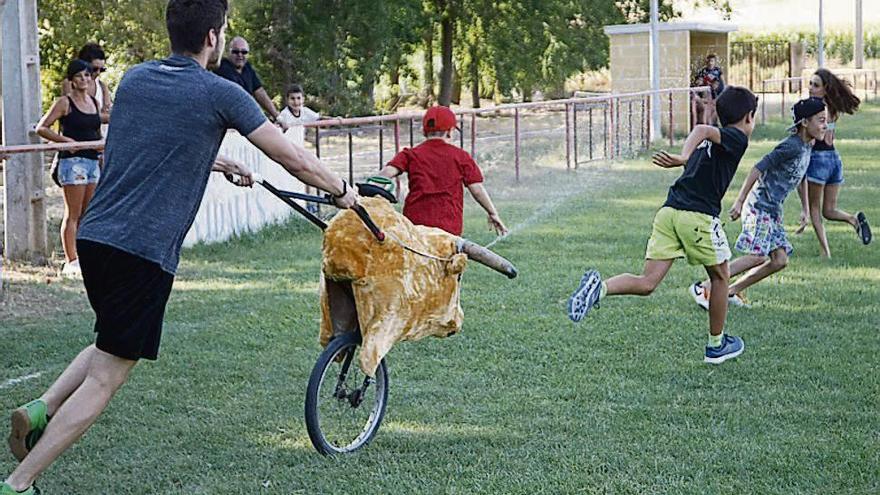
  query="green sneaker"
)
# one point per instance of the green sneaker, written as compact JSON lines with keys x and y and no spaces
{"x":5,"y":489}
{"x":28,"y":423}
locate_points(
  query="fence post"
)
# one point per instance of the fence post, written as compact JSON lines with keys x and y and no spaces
{"x":875,"y":84}
{"x":671,"y":122}
{"x":567,"y":137}
{"x":381,"y":144}
{"x":782,"y":108}
{"x":410,"y":132}
{"x":461,"y":131}
{"x":609,"y":129}
{"x":397,"y":150}
{"x":629,"y":124}
{"x":763,"y":103}
{"x":516,"y":140}
{"x":574,"y":133}
{"x":751,"y":65}
{"x":474,"y":135}
{"x":318,"y":142}
{"x":617,"y":128}
{"x":590,"y":136}
{"x":350,"y":158}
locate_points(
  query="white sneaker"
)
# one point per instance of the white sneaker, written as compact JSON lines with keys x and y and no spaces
{"x":72,"y":270}
{"x":738,"y":300}
{"x":699,"y":293}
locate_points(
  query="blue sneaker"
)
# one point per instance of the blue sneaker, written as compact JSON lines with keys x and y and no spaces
{"x":730,"y":348}
{"x":586,"y":296}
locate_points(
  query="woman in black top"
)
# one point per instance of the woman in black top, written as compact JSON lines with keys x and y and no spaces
{"x":825,"y":172}
{"x":78,"y":171}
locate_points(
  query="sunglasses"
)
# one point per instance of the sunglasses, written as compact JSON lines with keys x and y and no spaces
{"x":815,"y":84}
{"x":98,"y":69}
{"x":239,"y":52}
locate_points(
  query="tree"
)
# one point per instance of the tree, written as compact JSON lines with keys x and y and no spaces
{"x":130,"y":31}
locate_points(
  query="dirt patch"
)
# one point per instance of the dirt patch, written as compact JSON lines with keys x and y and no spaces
{"x":38,"y":292}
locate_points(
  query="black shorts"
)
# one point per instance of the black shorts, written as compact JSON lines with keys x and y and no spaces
{"x":128,"y":294}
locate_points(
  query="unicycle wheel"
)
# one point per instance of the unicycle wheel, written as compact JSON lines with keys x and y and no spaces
{"x":344,"y":407}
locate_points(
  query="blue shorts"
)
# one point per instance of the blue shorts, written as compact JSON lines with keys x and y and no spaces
{"x":78,"y":171}
{"x":762,"y":233}
{"x":825,"y":168}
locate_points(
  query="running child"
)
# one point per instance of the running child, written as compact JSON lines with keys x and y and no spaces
{"x":438,"y":171}
{"x":687,"y":226}
{"x":825,"y":173}
{"x":763,"y":239}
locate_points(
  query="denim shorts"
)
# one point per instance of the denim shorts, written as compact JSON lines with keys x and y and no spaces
{"x":825,"y":168}
{"x":762,"y":233}
{"x":78,"y":171}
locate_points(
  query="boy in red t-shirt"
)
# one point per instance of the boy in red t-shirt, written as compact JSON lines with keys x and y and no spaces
{"x":437,"y":171}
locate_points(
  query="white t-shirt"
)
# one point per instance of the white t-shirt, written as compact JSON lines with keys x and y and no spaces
{"x":306,"y":115}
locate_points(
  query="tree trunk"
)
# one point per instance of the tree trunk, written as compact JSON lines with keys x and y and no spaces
{"x":428,"y":74}
{"x":456,"y":87}
{"x":447,"y":32}
{"x":475,"y":77}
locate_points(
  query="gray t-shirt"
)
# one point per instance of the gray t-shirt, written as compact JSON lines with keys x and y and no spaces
{"x":781,"y":171}
{"x":169,"y":119}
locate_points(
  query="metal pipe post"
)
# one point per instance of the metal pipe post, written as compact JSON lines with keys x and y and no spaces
{"x":567,"y":137}
{"x":350,"y":158}
{"x":516,"y":141}
{"x":574,"y":133}
{"x":671,"y":122}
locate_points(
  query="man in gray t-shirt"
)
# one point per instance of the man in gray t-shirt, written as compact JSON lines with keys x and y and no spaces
{"x":168,"y":122}
{"x":763,"y":240}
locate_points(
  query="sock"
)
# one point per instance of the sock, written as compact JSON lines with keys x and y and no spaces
{"x":715,"y":340}
{"x":603,"y":289}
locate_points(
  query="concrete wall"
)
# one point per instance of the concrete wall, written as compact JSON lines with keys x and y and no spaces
{"x":631,"y":70}
{"x":227,"y":210}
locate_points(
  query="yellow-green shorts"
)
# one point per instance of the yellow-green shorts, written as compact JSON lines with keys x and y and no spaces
{"x":687,"y":234}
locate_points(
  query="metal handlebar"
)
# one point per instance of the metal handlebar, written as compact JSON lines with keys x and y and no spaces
{"x":289,"y":196}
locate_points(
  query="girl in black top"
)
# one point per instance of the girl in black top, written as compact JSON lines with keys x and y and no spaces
{"x":78,"y":171}
{"x":825,"y":172}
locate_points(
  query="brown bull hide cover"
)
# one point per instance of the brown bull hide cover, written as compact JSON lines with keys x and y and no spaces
{"x":399,"y":295}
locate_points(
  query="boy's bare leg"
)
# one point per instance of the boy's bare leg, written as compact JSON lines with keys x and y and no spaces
{"x":720,"y":277}
{"x":639,"y":285}
{"x":777,"y":261}
{"x":106,"y":373}
{"x":816,"y":191}
{"x":68,"y":381}
{"x":736,"y":267}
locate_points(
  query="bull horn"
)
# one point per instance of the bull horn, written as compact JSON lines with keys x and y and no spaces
{"x":486,"y":257}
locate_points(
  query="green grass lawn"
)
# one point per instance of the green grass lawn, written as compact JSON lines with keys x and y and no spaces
{"x":522,"y":400}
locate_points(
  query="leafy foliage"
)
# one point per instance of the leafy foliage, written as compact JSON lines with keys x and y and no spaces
{"x":341,"y":49}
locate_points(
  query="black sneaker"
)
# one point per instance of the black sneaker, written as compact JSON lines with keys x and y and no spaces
{"x":863,"y":229}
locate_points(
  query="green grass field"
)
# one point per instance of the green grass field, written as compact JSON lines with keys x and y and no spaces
{"x":522,"y":400}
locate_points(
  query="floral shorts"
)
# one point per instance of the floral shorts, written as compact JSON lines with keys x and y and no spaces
{"x":762,"y":233}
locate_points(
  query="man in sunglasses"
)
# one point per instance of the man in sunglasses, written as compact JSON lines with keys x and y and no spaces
{"x":237,"y":69}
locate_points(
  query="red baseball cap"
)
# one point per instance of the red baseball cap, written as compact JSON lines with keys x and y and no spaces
{"x":438,"y":118}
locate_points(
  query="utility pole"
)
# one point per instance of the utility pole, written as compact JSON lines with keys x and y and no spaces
{"x":821,"y":36}
{"x":655,"y":71}
{"x":25,"y":209}
{"x":859,"y":45}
